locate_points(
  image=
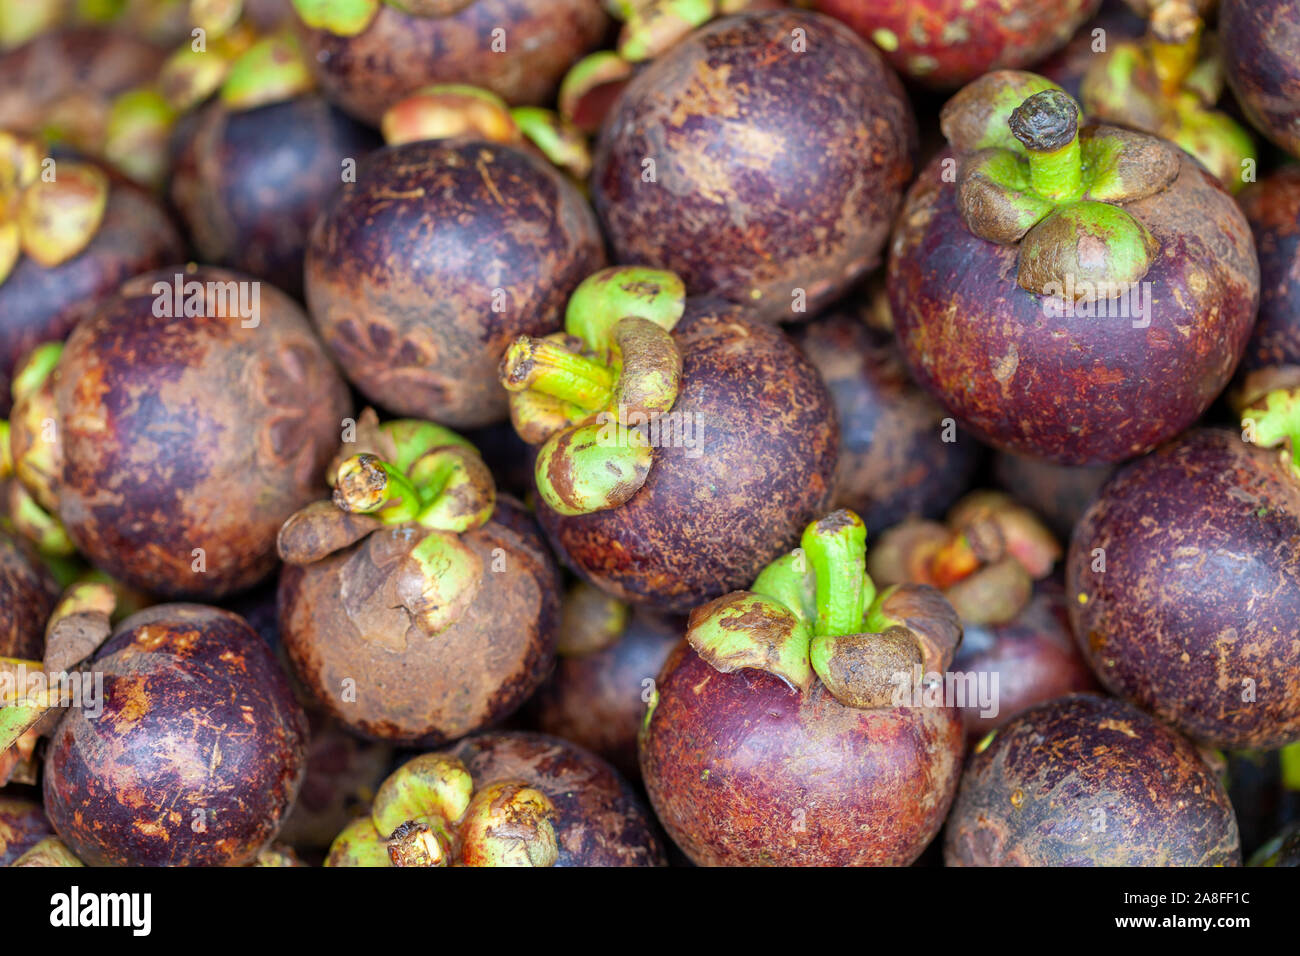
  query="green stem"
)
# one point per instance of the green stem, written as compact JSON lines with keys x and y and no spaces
{"x":1275,"y":420}
{"x":1175,"y":44}
{"x":1047,"y":124}
{"x":836,"y":546}
{"x":548,"y":367}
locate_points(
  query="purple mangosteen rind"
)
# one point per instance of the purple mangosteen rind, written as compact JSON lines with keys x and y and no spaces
{"x":1193,"y":618}
{"x":1261,"y":61}
{"x":22,"y":826}
{"x":197,"y":685}
{"x":1089,"y":780}
{"x":1035,"y":374}
{"x":1272,"y":207}
{"x":784,"y":202}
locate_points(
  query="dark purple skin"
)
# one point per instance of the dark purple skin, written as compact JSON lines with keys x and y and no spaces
{"x":1033,"y":655}
{"x":249,"y":184}
{"x":28,"y":593}
{"x":894,"y":463}
{"x":595,"y":699}
{"x":39,"y":304}
{"x":403,"y":264}
{"x":197,"y":755}
{"x":598,"y":821}
{"x":1077,"y":389}
{"x":1201,"y":593}
{"x":22,"y":826}
{"x":1087,"y":780}
{"x":398,"y":54}
{"x":1272,"y":207}
{"x":709,"y":518}
{"x":1261,"y":61}
{"x":764,"y":185}
{"x":744,"y":771}
{"x":1059,"y":494}
{"x":198,"y":432}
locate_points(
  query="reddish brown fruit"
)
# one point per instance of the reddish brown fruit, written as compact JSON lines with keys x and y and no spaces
{"x":945,"y":43}
{"x":1090,"y":781}
{"x":40,"y":304}
{"x":596,"y":699}
{"x":1194,"y":617}
{"x":1033,"y":656}
{"x":249,"y":184}
{"x":1261,"y":60}
{"x":1064,"y":387}
{"x":743,"y":770}
{"x":197,"y":755}
{"x":598,"y":820}
{"x":894,"y":460}
{"x":764,"y":190}
{"x":209,"y":433}
{"x":27,"y":596}
{"x":1273,"y":208}
{"x":397,"y":54}
{"x":369,"y":665}
{"x":758,"y":466}
{"x":418,"y":316}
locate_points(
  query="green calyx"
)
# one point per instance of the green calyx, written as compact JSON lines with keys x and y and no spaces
{"x":1164,"y":86}
{"x":653,"y":28}
{"x":34,"y":451}
{"x":1274,"y":422}
{"x":423,"y":480}
{"x":272,"y":70}
{"x":816,"y":612}
{"x":589,"y":88}
{"x":1057,"y":192}
{"x":351,"y":17}
{"x":429,"y":813}
{"x":589,"y":394}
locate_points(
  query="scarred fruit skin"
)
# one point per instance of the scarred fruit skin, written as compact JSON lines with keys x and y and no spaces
{"x":1064,"y":388}
{"x":1195,"y":616}
{"x":27,"y":596}
{"x":894,"y":462}
{"x":945,"y":43}
{"x":422,"y":271}
{"x":249,"y":184}
{"x":208,"y":435}
{"x":760,"y":465}
{"x":1260,"y":40}
{"x":1033,"y":656}
{"x":744,"y":771}
{"x":22,"y":826}
{"x":40,"y":304}
{"x":598,"y":819}
{"x":397,"y":54}
{"x":596,"y":699}
{"x":1272,"y":207}
{"x":783,"y":188}
{"x":339,"y":624}
{"x":197,"y":755}
{"x":1087,"y":780}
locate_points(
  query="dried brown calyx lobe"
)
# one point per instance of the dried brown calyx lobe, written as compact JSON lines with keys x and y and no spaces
{"x":1090,"y":781}
{"x":146,"y":783}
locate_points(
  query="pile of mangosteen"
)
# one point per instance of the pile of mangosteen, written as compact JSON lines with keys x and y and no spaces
{"x":632,"y":432}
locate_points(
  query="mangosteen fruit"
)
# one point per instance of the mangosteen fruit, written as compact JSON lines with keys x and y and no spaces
{"x":682,"y":444}
{"x":28,"y":593}
{"x":1087,"y":780}
{"x":502,"y":799}
{"x":1117,"y":21}
{"x":422,"y":271}
{"x":367,"y":55}
{"x":22,"y":826}
{"x":1260,"y":42}
{"x":726,"y":162}
{"x":946,"y":43}
{"x":70,"y":233}
{"x":1047,"y":282}
{"x":1165,"y":86}
{"x":177,"y":429}
{"x":901,"y":455}
{"x":803,"y":722}
{"x":417,"y":605}
{"x":608,"y":657}
{"x":196,"y":755}
{"x":1182,"y":582}
{"x":1272,"y":206}
{"x":249,"y":181}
